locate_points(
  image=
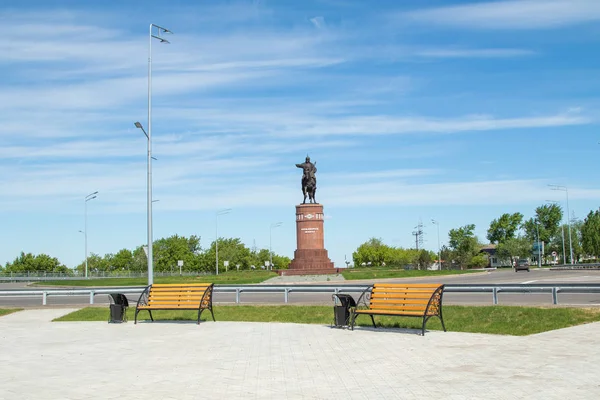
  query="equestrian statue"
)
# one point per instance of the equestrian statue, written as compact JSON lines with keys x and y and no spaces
{"x":309,"y":180}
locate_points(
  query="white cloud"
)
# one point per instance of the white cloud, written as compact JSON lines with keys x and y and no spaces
{"x":318,"y":22}
{"x":511,"y":14}
{"x":472,"y":53}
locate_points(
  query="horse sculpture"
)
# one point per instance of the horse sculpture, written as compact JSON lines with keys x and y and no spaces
{"x":309,"y":187}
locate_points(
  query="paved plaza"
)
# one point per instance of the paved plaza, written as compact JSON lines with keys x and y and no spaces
{"x":40,"y":359}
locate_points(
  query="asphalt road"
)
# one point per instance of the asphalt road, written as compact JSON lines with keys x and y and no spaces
{"x":536,"y":276}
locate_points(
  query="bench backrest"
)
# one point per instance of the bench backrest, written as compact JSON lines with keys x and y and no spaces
{"x":406,"y":297}
{"x":181,"y":295}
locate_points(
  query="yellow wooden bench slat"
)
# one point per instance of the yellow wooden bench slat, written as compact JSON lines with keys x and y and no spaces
{"x":408,"y":285}
{"x":402,"y":290}
{"x":384,"y":303}
{"x":389,"y":312}
{"x":161,"y":285}
{"x":381,"y":295}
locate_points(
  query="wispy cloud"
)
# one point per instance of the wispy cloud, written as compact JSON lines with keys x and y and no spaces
{"x":472,"y":53}
{"x":512,"y":14}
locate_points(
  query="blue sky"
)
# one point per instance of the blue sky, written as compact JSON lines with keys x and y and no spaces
{"x":458,"y":111}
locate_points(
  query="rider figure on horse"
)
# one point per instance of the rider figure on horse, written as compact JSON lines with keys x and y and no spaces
{"x":309,"y":180}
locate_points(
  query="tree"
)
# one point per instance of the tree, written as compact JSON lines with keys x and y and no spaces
{"x":464,"y":244}
{"x":519,"y":247}
{"x":373,"y":251}
{"x":424,"y":259}
{"x":590,"y":234}
{"x":123,"y":260}
{"x":478,"y":261}
{"x":232,"y":250}
{"x":547,"y":222}
{"x":25,"y":263}
{"x":168,"y":251}
{"x":504,"y":228}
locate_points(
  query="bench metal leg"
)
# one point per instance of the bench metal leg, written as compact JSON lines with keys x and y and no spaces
{"x":213,"y":315}
{"x":442,"y":319}
{"x":150,"y":312}
{"x":352,"y":319}
{"x":423,"y":327}
{"x":373,"y":320}
{"x":199,"y":314}
{"x":136,"y":313}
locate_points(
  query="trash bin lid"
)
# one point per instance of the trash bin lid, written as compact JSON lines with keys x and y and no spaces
{"x":346,"y":300}
{"x":119,"y":299}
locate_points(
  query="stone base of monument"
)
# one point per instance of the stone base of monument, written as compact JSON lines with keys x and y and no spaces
{"x":326,"y":271}
{"x":310,"y":257}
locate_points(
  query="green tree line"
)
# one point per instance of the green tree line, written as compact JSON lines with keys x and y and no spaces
{"x":166,"y":253}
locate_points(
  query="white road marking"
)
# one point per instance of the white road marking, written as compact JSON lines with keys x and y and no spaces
{"x":527,"y":282}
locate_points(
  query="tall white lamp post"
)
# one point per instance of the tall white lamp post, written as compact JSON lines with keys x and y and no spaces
{"x":562,"y":228}
{"x":89,"y":197}
{"x":154,"y":33}
{"x":273,"y":225}
{"x":220,"y":212}
{"x":564,"y":189}
{"x":433,"y":221}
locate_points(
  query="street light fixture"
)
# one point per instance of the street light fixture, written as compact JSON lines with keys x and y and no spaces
{"x":220,"y":212}
{"x":564,"y":189}
{"x":273,"y":225}
{"x":433,"y":221}
{"x":89,"y":197}
{"x":562,"y":228}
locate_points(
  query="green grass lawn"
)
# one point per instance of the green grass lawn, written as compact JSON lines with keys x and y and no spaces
{"x":503,"y":320}
{"x":231,"y":277}
{"x":383,"y":272}
{"x":4,"y":311}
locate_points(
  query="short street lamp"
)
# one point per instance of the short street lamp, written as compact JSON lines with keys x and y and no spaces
{"x":220,"y":212}
{"x":273,"y":225}
{"x":433,"y":221}
{"x":564,"y":189}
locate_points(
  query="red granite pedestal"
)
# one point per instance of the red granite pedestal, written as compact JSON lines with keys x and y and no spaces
{"x":310,"y":257}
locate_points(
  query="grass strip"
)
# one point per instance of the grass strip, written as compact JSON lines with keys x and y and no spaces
{"x":231,"y":277}
{"x":502,"y":320}
{"x":5,"y":311}
{"x":382,"y":273}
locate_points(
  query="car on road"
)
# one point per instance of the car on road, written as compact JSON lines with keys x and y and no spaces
{"x":522,"y":265}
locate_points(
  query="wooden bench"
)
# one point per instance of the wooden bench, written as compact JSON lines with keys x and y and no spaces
{"x":421,"y":300}
{"x":180,"y":296}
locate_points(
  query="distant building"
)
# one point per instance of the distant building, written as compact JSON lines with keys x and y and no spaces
{"x":493,"y":261}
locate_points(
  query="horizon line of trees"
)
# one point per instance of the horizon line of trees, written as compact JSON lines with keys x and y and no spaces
{"x":166,"y":253}
{"x":513,"y":237}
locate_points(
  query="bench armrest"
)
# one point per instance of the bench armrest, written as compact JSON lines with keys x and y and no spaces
{"x":434,"y":306}
{"x":143,"y":300}
{"x":365,"y":299}
{"x":206,"y":301}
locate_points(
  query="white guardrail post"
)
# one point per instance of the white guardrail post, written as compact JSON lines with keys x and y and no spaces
{"x":555,"y":295}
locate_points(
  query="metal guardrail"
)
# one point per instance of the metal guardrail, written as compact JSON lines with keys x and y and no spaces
{"x":286,"y":290}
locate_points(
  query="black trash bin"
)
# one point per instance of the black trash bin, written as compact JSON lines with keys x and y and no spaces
{"x":118,"y":308}
{"x":343,"y":303}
